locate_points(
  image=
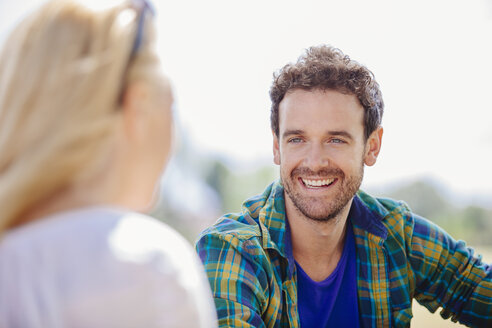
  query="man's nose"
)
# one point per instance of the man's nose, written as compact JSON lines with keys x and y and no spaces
{"x":316,"y":158}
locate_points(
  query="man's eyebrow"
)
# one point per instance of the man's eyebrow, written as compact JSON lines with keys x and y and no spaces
{"x":289,"y":133}
{"x":340,"y":133}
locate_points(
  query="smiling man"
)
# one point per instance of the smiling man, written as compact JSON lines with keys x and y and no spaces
{"x":315,"y":251}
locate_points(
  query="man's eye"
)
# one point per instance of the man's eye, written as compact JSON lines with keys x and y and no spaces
{"x":336,"y":140}
{"x":294,"y":140}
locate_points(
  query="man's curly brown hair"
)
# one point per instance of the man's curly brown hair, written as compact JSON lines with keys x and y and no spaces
{"x":328,"y":68}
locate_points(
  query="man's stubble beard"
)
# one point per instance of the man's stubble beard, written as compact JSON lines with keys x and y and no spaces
{"x":321,"y":210}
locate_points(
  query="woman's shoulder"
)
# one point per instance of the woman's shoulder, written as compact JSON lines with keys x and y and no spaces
{"x":98,"y":234}
{"x":101,"y":225}
{"x":100,"y":261}
{"x":139,"y":238}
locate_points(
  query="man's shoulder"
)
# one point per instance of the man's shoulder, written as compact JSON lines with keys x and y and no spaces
{"x":234,"y":232}
{"x":384,"y":207}
{"x":395,"y":215}
{"x":248,"y":229}
{"x":399,"y":220}
{"x":238,"y":225}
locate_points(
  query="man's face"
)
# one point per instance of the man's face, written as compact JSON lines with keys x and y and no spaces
{"x":321,"y":150}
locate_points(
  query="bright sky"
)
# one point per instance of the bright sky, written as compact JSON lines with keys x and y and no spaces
{"x":431,"y":58}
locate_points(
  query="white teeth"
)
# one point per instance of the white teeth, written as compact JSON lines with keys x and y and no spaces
{"x":317,"y":183}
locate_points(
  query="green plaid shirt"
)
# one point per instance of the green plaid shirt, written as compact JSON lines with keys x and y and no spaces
{"x":400,"y":256}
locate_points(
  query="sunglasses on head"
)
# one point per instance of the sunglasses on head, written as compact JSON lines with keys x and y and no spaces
{"x":143,"y":8}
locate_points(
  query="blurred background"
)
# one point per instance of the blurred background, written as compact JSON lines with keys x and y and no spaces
{"x":431,"y":58}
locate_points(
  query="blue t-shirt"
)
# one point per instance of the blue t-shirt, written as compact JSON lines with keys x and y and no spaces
{"x":333,"y":301}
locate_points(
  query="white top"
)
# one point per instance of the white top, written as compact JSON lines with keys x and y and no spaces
{"x":101,"y":267}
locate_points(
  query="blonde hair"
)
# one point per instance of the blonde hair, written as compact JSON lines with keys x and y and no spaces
{"x":62,"y":71}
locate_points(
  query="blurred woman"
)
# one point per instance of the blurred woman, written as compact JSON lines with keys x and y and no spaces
{"x":85,"y":132}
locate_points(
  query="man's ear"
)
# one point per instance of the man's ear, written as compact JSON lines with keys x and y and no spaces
{"x":276,"y":149}
{"x":373,"y":146}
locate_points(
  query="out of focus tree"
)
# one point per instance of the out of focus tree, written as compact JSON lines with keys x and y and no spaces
{"x":235,"y":187}
{"x":471,"y":223}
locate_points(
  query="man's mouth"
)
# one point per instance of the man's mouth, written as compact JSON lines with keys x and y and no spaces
{"x":317,"y":183}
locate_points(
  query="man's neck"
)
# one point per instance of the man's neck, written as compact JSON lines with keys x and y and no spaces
{"x":317,"y":246}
